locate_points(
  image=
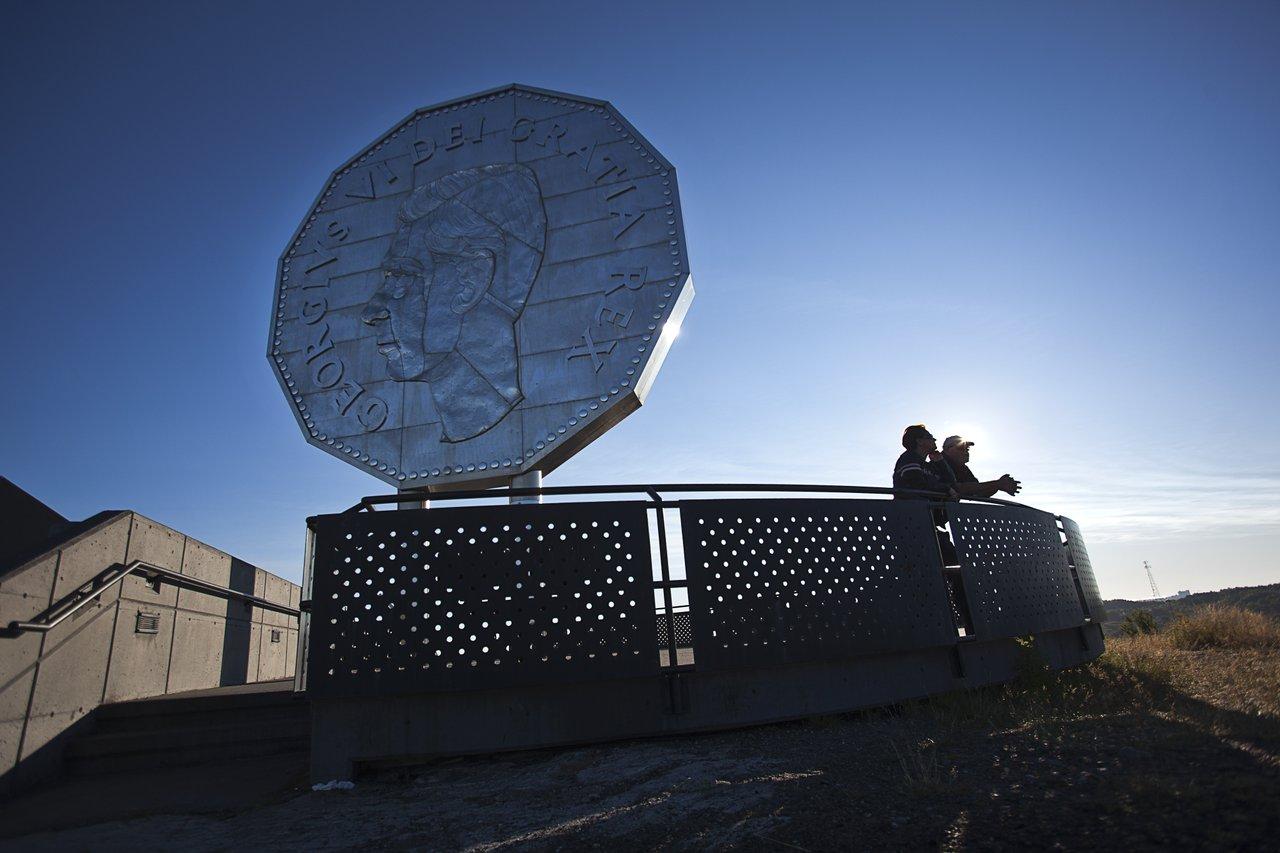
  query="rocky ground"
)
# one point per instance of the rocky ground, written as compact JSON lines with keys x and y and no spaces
{"x":1148,"y":747}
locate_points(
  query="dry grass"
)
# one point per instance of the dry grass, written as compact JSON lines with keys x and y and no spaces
{"x":1223,"y":627}
{"x":922,"y":772}
{"x":1186,"y":721}
{"x":1146,"y":659}
{"x":1217,"y":652}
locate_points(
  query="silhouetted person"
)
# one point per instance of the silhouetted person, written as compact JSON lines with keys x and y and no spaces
{"x":913,"y":469}
{"x":952,"y":466}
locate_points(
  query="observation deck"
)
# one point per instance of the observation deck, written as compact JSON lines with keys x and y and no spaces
{"x":626,"y":611}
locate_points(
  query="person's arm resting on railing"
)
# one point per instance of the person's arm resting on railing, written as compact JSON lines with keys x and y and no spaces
{"x":953,"y":462}
{"x":989,"y":488}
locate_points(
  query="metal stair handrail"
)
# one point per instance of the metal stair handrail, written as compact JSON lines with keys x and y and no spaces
{"x":114,"y":574}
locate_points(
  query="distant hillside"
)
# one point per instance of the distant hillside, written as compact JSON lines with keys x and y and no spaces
{"x":1263,"y":599}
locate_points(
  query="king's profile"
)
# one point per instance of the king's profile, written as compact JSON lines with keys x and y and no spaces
{"x":464,"y":256}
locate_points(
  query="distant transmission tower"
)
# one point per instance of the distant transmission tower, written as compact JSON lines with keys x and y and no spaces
{"x":1155,"y":590}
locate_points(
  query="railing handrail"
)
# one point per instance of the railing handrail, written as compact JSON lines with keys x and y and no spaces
{"x":655,"y":490}
{"x":115,"y":574}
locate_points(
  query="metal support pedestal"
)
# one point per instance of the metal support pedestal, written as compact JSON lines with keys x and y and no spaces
{"x":530,"y":480}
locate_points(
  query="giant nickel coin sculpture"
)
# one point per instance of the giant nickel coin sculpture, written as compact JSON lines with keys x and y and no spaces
{"x":482,"y":291}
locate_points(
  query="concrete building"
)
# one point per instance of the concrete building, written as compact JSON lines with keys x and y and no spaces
{"x":136,"y":639}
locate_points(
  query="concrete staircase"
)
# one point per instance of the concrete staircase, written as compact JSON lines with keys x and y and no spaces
{"x":190,"y":730}
{"x":204,"y":751}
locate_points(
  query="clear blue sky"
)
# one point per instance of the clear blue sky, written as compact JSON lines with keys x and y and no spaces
{"x":1055,"y":227}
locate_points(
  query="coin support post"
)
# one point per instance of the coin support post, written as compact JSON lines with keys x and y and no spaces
{"x":414,"y":499}
{"x":529,"y":480}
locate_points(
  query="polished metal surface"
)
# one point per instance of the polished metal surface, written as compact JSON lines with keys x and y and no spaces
{"x":482,"y":291}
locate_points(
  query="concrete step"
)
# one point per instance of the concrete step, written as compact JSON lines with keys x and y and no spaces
{"x":240,"y":722}
{"x":165,"y":739}
{"x":260,"y":702}
{"x":192,"y":730}
{"x":297,"y":712}
{"x":262,"y":695}
{"x":92,"y":757}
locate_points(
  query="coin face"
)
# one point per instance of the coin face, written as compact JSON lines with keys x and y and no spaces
{"x":482,"y":291}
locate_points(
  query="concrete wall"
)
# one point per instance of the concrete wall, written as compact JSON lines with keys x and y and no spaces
{"x":49,"y":682}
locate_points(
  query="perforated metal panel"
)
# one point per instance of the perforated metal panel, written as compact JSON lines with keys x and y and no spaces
{"x":474,"y":597}
{"x":1084,"y":570}
{"x":1015,"y":570}
{"x":804,"y":580}
{"x":683,"y":629}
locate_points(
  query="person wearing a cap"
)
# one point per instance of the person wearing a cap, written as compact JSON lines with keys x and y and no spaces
{"x":913,"y":470}
{"x":952,"y":467}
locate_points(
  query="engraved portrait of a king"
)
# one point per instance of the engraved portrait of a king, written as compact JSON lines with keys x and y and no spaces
{"x":464,"y":256}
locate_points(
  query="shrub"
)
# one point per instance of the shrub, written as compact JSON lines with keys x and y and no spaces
{"x":1223,"y":626}
{"x":1138,"y":623}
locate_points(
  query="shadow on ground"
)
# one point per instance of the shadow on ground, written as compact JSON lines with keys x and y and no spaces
{"x":1114,"y":754}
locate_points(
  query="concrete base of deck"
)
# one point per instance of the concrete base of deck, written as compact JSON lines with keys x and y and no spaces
{"x":350,"y":732}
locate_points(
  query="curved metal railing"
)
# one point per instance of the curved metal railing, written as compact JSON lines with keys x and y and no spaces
{"x":893,"y":575}
{"x":655,"y":491}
